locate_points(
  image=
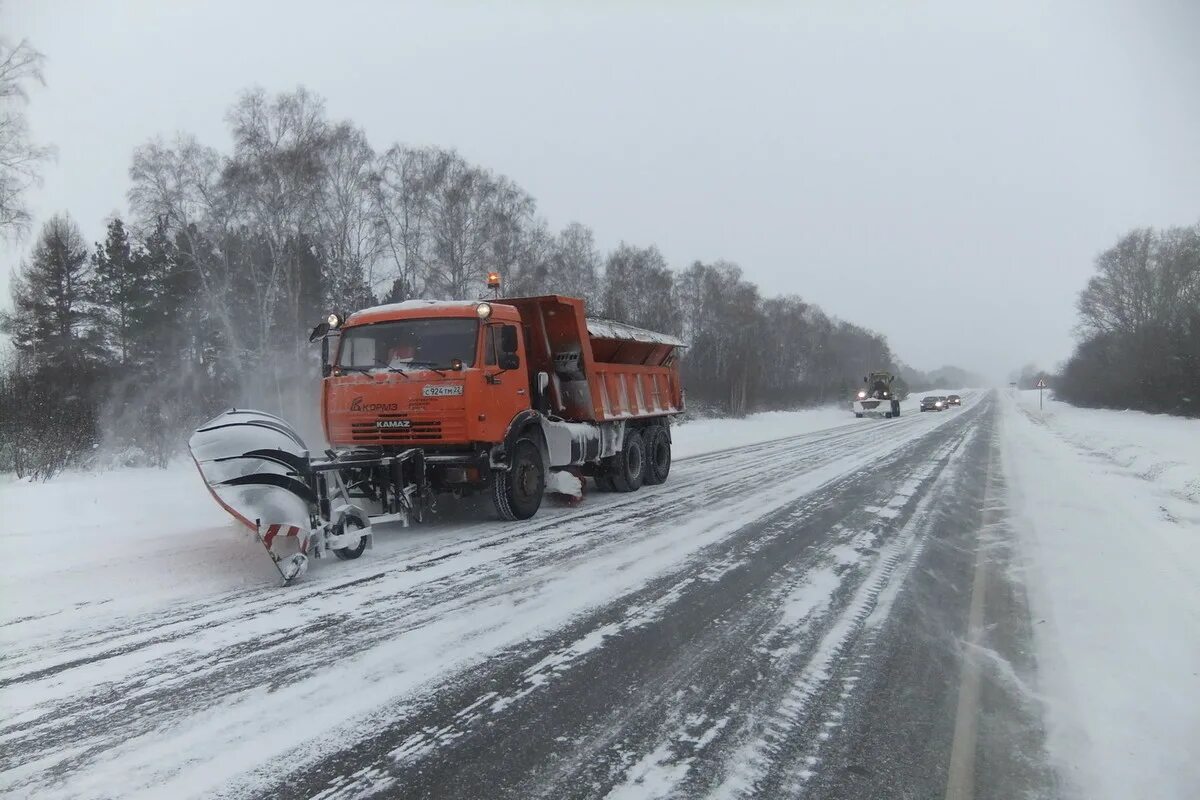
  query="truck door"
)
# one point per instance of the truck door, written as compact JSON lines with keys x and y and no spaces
{"x":506,"y":373}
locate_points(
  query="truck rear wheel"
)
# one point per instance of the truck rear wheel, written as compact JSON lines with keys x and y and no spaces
{"x":658,"y":455}
{"x":603,"y":481}
{"x":628,"y":467}
{"x":517,"y":491}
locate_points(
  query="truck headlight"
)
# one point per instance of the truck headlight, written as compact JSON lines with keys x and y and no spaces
{"x":484,"y":310}
{"x":334,"y":320}
{"x":861,"y":395}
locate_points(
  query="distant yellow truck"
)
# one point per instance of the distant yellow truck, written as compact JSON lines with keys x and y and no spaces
{"x":877,"y":398}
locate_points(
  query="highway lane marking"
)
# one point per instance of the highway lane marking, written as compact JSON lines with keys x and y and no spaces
{"x":960,"y":783}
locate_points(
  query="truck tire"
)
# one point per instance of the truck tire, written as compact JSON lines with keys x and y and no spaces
{"x":658,"y":455}
{"x":517,"y":491}
{"x":895,"y":408}
{"x":351,"y":553}
{"x":628,"y":467}
{"x":603,"y":480}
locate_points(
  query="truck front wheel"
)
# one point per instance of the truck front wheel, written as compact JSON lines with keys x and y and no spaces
{"x":350,"y":553}
{"x":628,"y":467}
{"x":658,"y":455}
{"x":517,"y":491}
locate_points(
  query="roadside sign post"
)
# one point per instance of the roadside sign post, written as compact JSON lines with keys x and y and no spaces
{"x":1041,"y":386}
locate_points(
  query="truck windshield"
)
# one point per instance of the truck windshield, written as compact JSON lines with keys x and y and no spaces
{"x":409,"y":344}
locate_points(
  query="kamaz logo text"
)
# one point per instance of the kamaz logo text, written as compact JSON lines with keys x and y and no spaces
{"x":357,"y":404}
{"x":384,"y":424}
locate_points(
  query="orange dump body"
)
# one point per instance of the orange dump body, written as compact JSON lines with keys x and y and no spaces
{"x":614,"y":372}
{"x":599,"y":370}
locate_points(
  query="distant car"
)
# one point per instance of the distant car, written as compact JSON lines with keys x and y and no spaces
{"x":933,"y":403}
{"x":953,"y":400}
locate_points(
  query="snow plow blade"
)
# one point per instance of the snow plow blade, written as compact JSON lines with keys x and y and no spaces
{"x":258,"y":469}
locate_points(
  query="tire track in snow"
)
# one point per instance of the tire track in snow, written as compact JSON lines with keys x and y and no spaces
{"x":414,"y":758}
{"x":806,"y":645}
{"x":781,"y":760}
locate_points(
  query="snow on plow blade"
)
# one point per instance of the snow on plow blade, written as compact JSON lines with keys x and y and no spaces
{"x":874,"y":407}
{"x":257,"y":469}
{"x":871,"y":408}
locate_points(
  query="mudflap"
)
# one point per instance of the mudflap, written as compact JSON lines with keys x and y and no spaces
{"x":257,"y":468}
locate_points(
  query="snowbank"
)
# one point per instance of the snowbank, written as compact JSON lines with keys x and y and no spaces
{"x":1108,"y":508}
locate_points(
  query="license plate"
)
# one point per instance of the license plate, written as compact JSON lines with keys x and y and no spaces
{"x":442,"y":390}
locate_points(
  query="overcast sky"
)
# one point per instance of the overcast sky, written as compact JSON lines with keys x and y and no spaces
{"x":943,"y":172}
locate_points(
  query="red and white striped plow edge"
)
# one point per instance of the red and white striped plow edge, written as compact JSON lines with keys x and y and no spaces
{"x":274,"y":531}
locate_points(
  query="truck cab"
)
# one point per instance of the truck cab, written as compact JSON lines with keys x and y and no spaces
{"x":439,"y":375}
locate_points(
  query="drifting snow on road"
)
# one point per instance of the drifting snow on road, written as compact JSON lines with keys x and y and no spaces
{"x":424,"y":655}
{"x":836,"y":613}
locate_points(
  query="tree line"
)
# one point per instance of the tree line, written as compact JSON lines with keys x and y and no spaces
{"x":203,"y":297}
{"x":1139,"y":326}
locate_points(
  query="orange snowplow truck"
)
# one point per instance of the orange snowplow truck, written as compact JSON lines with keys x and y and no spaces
{"x":423,"y":398}
{"x":495,"y":394}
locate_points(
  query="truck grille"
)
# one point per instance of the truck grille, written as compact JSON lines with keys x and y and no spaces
{"x":418,"y":430}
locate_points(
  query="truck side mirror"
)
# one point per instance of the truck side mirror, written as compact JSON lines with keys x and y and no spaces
{"x":318,"y":332}
{"x":541,"y":396}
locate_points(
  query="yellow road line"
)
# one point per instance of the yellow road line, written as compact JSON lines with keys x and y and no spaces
{"x":960,"y":784}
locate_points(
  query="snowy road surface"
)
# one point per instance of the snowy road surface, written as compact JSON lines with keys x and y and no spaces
{"x":835,"y":614}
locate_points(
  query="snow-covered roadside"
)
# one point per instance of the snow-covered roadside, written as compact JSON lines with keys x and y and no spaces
{"x":1107,"y":505}
{"x":1155,"y":446}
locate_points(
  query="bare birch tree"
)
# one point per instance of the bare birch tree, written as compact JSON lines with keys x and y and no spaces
{"x":20,"y":158}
